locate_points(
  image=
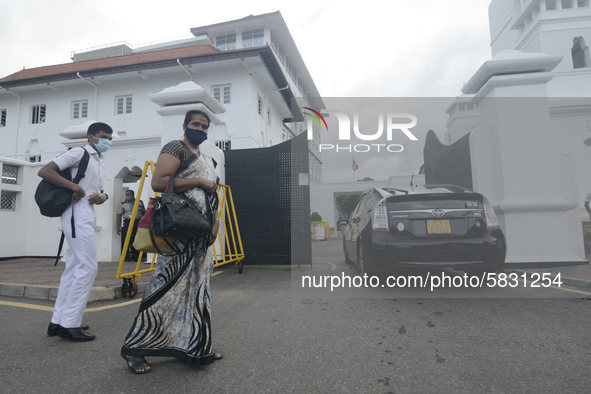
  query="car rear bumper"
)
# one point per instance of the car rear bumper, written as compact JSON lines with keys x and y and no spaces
{"x":387,"y":251}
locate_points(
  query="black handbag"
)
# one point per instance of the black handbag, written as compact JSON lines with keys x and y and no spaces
{"x":176,"y":216}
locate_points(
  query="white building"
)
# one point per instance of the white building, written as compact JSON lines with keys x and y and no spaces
{"x":551,"y":27}
{"x":251,"y":66}
{"x":528,"y":112}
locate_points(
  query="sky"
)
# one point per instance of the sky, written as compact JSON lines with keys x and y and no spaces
{"x":399,"y":48}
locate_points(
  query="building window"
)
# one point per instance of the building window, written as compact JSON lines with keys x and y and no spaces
{"x":2,"y":117}
{"x":253,"y":38}
{"x":9,"y":174}
{"x":80,"y":109}
{"x":226,"y":42}
{"x":224,"y":145}
{"x":123,"y":105}
{"x":38,"y":114}
{"x":7,"y":201}
{"x":259,"y":105}
{"x":34,"y":159}
{"x":278,"y":51}
{"x":268,"y":116}
{"x":222,"y":93}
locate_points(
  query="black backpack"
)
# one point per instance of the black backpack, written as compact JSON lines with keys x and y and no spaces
{"x":54,"y":200}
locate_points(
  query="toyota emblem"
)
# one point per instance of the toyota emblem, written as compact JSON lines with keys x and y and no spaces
{"x":438,"y":212}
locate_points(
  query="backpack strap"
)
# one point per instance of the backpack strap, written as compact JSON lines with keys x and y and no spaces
{"x":59,"y":250}
{"x":82,"y":166}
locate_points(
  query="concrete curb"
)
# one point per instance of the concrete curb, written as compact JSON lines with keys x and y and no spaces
{"x":37,"y":292}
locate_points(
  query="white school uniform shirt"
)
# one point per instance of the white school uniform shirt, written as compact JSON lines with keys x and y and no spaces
{"x":94,"y":177}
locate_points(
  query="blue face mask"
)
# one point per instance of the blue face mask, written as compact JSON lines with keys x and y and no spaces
{"x":103,"y":145}
{"x":196,"y":137}
{"x":128,"y":198}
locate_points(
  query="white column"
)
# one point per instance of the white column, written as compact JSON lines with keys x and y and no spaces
{"x":575,"y":3}
{"x":531,"y":183}
{"x":558,"y":4}
{"x":542,"y":4}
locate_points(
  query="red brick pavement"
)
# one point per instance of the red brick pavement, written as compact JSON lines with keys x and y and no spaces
{"x":40,"y":271}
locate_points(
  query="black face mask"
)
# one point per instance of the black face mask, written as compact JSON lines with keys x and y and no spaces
{"x":196,"y":137}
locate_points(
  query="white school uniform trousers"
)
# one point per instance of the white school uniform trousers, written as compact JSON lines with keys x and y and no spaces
{"x":81,"y":259}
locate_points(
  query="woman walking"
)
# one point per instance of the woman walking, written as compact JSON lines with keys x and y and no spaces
{"x":174,"y":316}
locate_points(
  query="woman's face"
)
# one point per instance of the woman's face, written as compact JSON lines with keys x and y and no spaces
{"x":198,"y":122}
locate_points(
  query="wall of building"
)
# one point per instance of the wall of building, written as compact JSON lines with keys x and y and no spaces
{"x":141,"y":141}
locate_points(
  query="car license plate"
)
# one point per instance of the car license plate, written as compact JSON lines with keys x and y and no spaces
{"x":438,"y":226}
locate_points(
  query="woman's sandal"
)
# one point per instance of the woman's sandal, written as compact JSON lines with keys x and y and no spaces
{"x":133,"y":364}
{"x":217,"y":355}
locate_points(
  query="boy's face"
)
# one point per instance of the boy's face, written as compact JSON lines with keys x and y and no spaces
{"x":99,"y":135}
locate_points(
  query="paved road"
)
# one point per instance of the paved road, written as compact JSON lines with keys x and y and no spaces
{"x":277,"y":338}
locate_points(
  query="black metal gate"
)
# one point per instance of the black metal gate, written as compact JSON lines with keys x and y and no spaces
{"x":272,"y":199}
{"x":448,"y":164}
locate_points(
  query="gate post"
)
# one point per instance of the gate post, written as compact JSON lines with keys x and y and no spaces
{"x":516,"y":163}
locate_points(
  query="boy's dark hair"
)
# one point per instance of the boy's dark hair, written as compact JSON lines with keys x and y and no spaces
{"x":130,"y":191}
{"x":96,"y":127}
{"x":189,"y":115}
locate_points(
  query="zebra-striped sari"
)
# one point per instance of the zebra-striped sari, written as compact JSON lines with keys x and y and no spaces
{"x":174,"y":316}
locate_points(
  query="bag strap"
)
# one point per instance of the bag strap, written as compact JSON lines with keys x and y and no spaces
{"x":82,"y":166}
{"x":187,"y":163}
{"x":170,"y":187}
{"x":59,"y":249}
{"x":183,"y":167}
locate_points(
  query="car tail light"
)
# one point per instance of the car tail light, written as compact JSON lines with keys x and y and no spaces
{"x":491,"y":217}
{"x":380,"y":217}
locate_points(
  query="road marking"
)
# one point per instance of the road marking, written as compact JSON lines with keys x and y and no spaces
{"x":559,"y":288}
{"x":102,"y":308}
{"x":28,"y":306}
{"x":97,"y":309}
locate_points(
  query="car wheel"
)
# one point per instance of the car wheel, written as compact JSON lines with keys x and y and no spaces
{"x":347,"y":259}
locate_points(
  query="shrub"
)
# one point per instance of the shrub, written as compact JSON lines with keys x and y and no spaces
{"x":315,"y":217}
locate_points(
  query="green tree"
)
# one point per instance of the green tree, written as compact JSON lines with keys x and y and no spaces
{"x":347,"y":203}
{"x":365,"y":179}
{"x":315,"y":217}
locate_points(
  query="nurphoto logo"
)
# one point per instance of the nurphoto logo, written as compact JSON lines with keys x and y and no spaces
{"x":396,"y":124}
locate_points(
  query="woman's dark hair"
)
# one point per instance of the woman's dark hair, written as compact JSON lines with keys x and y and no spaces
{"x":189,"y":116}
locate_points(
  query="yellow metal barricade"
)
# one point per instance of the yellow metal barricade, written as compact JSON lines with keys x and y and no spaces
{"x":228,"y":242}
{"x":320,"y":230}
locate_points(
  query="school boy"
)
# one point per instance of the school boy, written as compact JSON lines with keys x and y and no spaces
{"x":81,"y":259}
